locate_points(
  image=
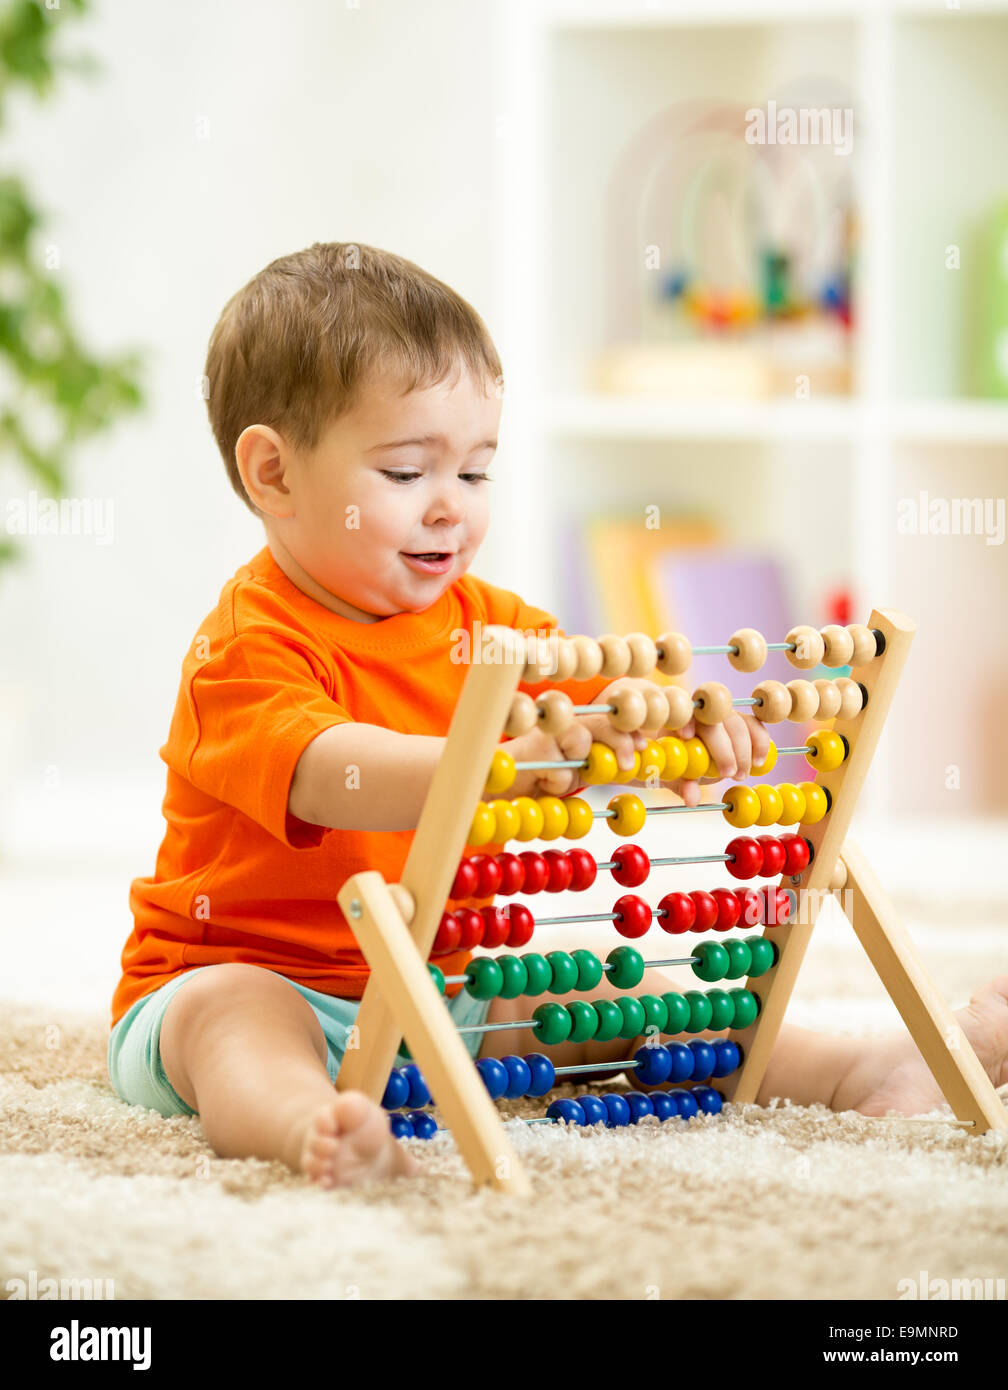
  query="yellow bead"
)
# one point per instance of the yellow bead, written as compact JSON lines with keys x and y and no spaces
{"x":652,"y":761}
{"x":827,"y":750}
{"x":697,"y":759}
{"x":793,"y":801}
{"x":676,"y":758}
{"x":531,"y":818}
{"x":771,"y":804}
{"x":815,"y":802}
{"x":554,"y":817}
{"x":632,"y":772}
{"x":763,"y":768}
{"x":743,"y":807}
{"x":631,"y":813}
{"x":484,"y":825}
{"x":580,"y":817}
{"x":502,"y":773}
{"x":508,"y":820}
{"x":602,"y":766}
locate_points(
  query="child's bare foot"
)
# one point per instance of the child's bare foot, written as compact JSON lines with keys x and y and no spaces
{"x":347,"y":1140}
{"x":891,"y":1074}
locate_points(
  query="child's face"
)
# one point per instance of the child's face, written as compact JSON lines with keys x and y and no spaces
{"x":375,"y":491}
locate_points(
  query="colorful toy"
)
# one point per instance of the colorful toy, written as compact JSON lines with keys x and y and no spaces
{"x":399,"y":926}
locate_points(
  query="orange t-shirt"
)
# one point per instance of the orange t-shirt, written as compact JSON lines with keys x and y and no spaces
{"x":237,"y":877}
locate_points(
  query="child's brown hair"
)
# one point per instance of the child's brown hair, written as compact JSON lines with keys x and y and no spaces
{"x":293,"y":348}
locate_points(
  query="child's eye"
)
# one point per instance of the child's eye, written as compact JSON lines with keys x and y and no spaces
{"x":409,"y":477}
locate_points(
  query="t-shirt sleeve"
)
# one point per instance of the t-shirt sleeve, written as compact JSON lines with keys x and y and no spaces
{"x":254,"y":708}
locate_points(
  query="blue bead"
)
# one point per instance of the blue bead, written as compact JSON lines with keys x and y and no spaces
{"x":419,"y":1096}
{"x":727,"y":1055}
{"x":495,"y":1076}
{"x":708,"y":1099}
{"x":594,"y":1109}
{"x":519,"y":1077}
{"x":686,"y":1104}
{"x":424,"y":1125}
{"x":619,"y":1111}
{"x":704,"y":1058}
{"x":664,"y":1105}
{"x":396,"y":1092}
{"x":400,"y":1127}
{"x":640,"y":1105}
{"x":653,"y":1065}
{"x":568,"y":1111}
{"x":682,"y":1062}
{"x":543,"y":1073}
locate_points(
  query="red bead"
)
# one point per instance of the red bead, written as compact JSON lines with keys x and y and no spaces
{"x":496,"y":927}
{"x":583,"y":869}
{"x":748,"y":857}
{"x":729,"y":908}
{"x":784,"y":905}
{"x":489,"y":875}
{"x":512,"y":873}
{"x":632,"y":865}
{"x":633,"y":915}
{"x":536,"y":871}
{"x":798,"y":853}
{"x":521,"y":925}
{"x":706,"y":910}
{"x":466,"y":879}
{"x":560,"y":870}
{"x":679,"y":913}
{"x":449,"y":934}
{"x":753,"y":907}
{"x":774,"y":855}
{"x":471,"y":924}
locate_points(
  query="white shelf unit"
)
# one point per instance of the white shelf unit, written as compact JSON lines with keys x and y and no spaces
{"x":817,"y":481}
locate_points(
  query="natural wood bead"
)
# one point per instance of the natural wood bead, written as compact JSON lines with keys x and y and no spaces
{"x":657,"y":708}
{"x":522,"y":715}
{"x":615,"y":656}
{"x":810,"y":647}
{"x":630,"y":710}
{"x":404,"y":901}
{"x":556,"y":712}
{"x":540,"y":658}
{"x":680,"y":706}
{"x":675,"y":655}
{"x":838,"y":878}
{"x":865,"y":649}
{"x":752,"y":649}
{"x":589,"y":658}
{"x":829,"y":699}
{"x":804,"y":701}
{"x":851,"y":698}
{"x":839,"y":646}
{"x":712,"y":703}
{"x":775,"y":702}
{"x":643,"y":654}
{"x":567,"y":660}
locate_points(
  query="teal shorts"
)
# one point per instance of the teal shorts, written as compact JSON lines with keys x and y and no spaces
{"x":134,"y":1049}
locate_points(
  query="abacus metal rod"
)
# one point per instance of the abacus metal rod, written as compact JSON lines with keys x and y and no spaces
{"x":679,"y":960}
{"x":729,"y":650}
{"x":582,"y":763}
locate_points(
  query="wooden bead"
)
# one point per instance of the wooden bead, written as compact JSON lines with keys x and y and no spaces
{"x":643,"y":654}
{"x":567,"y":660}
{"x":540,"y":659}
{"x":657,"y":708}
{"x":838,"y":878}
{"x":630,"y":708}
{"x":774,"y":702}
{"x":752,"y":649}
{"x":839,"y":646}
{"x":809,"y":647}
{"x":864,"y":644}
{"x":680,"y":706}
{"x":829,"y":699}
{"x":804,"y":701}
{"x":556,"y":712}
{"x":851,"y":698}
{"x":712,"y":703}
{"x":404,"y":901}
{"x":615,"y":656}
{"x":675,"y":655}
{"x":522,"y":715}
{"x":589,"y":658}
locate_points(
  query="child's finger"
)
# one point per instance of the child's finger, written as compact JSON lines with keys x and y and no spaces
{"x":741,"y":742}
{"x":759,"y":738}
{"x":721,"y":749}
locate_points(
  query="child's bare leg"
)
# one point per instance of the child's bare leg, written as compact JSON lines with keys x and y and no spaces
{"x":242,"y":1047}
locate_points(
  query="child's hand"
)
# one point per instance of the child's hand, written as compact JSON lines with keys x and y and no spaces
{"x":574,"y":746}
{"x":734,"y":746}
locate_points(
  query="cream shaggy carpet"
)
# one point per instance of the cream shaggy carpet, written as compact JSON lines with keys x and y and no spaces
{"x":782,"y":1203}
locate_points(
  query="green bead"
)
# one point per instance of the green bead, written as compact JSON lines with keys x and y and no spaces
{"x":655,"y":1012}
{"x":563,"y":972}
{"x":554,"y":1023}
{"x":627,"y":967}
{"x":539,"y":972}
{"x":700,"y":1011}
{"x":437,"y":975}
{"x":589,"y":969}
{"x":713,"y":961}
{"x":722,"y":1009}
{"x":584,"y":1020}
{"x":485,"y":978}
{"x":746,"y":1008}
{"x":678,"y":1013}
{"x":610,"y":1019}
{"x":739,"y":958}
{"x":763,"y":954}
{"x":633,"y":1017}
{"x":515,"y":974}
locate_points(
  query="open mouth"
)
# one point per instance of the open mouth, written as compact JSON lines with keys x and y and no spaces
{"x":431,"y":561}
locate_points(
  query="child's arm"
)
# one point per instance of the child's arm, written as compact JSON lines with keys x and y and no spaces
{"x":363,"y":777}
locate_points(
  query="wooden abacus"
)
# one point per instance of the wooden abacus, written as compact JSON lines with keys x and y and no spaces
{"x":397,"y":925}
